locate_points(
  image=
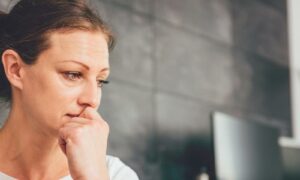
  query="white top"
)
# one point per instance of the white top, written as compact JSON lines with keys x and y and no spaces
{"x":117,"y":171}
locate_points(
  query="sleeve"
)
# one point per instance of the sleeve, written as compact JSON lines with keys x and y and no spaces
{"x":118,"y":170}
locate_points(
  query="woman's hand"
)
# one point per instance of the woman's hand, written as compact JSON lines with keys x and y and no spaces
{"x":84,"y":141}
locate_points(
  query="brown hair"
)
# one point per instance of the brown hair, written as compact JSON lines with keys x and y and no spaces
{"x":26,"y":28}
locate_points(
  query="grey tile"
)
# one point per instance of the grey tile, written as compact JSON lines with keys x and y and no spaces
{"x":280,"y":5}
{"x":261,"y":29}
{"x":180,"y":118}
{"x":284,"y":126}
{"x":7,"y":5}
{"x":143,"y":6}
{"x":4,"y":5}
{"x":192,"y":66}
{"x":129,"y":113}
{"x":211,"y":18}
{"x":4,"y":109}
{"x":264,"y":86}
{"x":131,"y":60}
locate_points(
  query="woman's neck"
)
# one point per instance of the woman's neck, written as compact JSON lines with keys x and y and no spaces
{"x":30,"y":153}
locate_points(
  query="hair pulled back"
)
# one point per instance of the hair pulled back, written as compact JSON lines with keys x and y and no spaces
{"x":26,"y":28}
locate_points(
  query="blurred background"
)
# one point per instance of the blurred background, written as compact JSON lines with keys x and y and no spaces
{"x":176,"y":62}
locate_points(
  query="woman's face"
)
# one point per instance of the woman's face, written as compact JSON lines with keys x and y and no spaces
{"x":65,"y":79}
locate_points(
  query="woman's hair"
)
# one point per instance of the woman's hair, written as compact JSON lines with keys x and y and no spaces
{"x":27,"y":27}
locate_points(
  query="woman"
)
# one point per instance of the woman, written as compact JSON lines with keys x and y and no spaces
{"x":54,"y":61}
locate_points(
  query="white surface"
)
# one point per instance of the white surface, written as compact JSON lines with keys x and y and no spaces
{"x":288,"y":142}
{"x":294,"y":47}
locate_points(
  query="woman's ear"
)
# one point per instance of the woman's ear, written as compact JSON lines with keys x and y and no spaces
{"x":13,"y":67}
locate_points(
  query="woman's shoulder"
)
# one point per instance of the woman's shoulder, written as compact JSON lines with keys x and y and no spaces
{"x":118,"y":170}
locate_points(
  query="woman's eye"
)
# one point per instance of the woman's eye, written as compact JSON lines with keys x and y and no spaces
{"x":73,"y":75}
{"x":101,"y":82}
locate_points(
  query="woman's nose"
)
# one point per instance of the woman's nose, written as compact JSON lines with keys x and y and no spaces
{"x":90,"y":95}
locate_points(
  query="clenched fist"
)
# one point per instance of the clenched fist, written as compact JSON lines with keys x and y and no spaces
{"x":83,"y":139}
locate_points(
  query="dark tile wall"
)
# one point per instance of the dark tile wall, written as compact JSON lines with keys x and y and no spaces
{"x":181,"y":60}
{"x":177,"y":61}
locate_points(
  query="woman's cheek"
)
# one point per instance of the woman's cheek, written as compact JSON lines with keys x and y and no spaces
{"x":71,"y":92}
{"x":67,"y":88}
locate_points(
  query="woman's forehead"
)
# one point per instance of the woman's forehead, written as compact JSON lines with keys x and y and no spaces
{"x":80,"y":45}
{"x":79,"y":40}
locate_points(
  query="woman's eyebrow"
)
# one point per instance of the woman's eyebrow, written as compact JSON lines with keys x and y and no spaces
{"x":84,"y":65}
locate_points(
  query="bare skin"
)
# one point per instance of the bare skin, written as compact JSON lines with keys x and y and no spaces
{"x":53,"y":128}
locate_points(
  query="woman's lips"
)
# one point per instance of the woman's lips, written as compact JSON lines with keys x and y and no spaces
{"x":72,"y":115}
